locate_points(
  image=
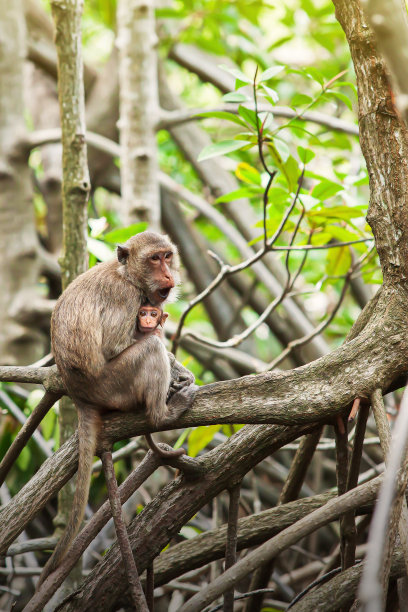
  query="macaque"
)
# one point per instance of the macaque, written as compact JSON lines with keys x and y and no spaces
{"x":102,"y":365}
{"x":149,"y":321}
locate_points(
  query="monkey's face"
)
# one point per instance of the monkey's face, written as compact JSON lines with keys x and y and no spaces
{"x":148,"y":318}
{"x":152,"y":264}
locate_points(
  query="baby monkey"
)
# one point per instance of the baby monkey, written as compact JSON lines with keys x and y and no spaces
{"x":150,"y":320}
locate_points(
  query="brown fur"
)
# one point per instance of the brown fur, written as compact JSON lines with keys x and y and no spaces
{"x":101,"y":364}
{"x":140,"y":333}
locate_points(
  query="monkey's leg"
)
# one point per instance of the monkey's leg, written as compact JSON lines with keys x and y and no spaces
{"x":26,"y":432}
{"x":135,"y":587}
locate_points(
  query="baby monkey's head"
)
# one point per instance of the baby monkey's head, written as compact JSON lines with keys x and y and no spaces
{"x":150,"y":317}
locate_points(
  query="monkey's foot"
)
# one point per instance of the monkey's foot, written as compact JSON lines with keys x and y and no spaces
{"x":181,"y":401}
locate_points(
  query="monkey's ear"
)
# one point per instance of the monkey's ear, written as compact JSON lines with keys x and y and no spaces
{"x":122,"y":253}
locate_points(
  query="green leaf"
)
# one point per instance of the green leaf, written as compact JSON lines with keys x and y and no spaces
{"x":238,"y":74}
{"x":24,"y":459}
{"x":248,"y":115}
{"x":48,"y":424}
{"x":320,"y":238}
{"x":224,"y":115}
{"x":235,"y":96}
{"x":200,"y":437}
{"x":102,"y":251}
{"x":238,"y":194}
{"x":340,"y":96}
{"x":291,"y":173}
{"x":305,"y":155}
{"x":315,"y":74}
{"x":221,"y":148}
{"x":248,"y":174}
{"x":326,"y":189}
{"x":278,"y":195}
{"x":338,"y":261}
{"x":271,"y":94}
{"x":282,"y":149}
{"x":300,"y":99}
{"x":270,"y":73}
{"x":343,"y":213}
{"x":124,"y":233}
{"x":279,"y":42}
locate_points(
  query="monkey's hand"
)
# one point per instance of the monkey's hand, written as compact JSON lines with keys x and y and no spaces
{"x":181,"y":401}
{"x":180,"y":377}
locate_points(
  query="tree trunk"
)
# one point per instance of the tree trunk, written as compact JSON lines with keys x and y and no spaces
{"x":138,"y":111}
{"x":19,"y":262}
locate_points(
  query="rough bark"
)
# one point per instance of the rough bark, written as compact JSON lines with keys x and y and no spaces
{"x":75,"y":180}
{"x":19,"y":261}
{"x":75,"y":184}
{"x":383,"y":139}
{"x":137,"y":43}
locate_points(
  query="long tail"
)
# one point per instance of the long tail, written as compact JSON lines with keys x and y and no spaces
{"x":160,"y":451}
{"x":88,"y":427}
{"x":26,"y":432}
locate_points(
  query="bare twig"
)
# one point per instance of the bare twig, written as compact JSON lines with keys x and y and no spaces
{"x":347,"y":522}
{"x":231,"y":548}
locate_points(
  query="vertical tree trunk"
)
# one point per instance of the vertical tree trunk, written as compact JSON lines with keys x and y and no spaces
{"x":19,"y":264}
{"x":75,"y":178}
{"x":138,"y":111}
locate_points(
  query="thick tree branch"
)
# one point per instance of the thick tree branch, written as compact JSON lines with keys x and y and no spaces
{"x":384,"y":142}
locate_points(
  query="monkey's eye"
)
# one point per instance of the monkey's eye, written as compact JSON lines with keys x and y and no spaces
{"x":155,"y":257}
{"x":169,"y":255}
{"x":154,"y":314}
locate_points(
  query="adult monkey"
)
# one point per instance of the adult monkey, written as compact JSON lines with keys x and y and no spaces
{"x":103,"y":367}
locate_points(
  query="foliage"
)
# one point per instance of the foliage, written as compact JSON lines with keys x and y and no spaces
{"x":286,"y":133}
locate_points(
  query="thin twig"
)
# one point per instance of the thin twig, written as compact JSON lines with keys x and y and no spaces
{"x":347,"y":522}
{"x":231,"y":548}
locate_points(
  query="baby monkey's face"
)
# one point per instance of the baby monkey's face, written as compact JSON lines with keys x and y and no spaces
{"x":149,"y":317}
